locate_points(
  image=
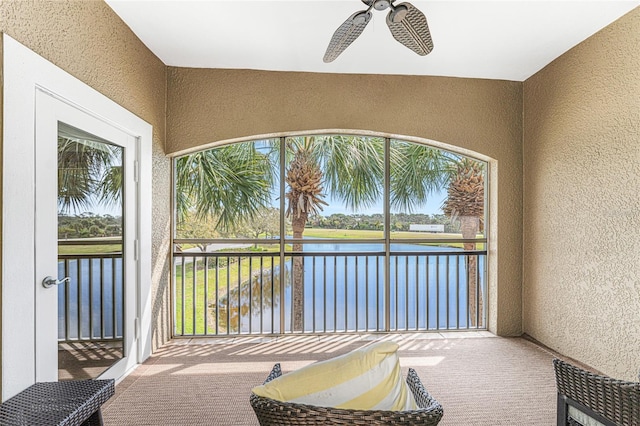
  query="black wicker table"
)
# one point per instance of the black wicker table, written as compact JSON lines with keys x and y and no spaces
{"x":58,"y":403}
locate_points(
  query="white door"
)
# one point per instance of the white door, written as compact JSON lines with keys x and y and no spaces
{"x":102,"y":321}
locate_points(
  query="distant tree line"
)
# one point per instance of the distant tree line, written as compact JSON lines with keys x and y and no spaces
{"x":375,"y":222}
{"x":89,"y":225}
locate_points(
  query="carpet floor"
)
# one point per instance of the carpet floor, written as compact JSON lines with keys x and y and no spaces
{"x":478,"y":378}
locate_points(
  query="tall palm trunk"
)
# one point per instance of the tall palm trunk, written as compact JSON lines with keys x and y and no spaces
{"x":298,"y":223}
{"x":304,"y":198}
{"x":469,"y":226}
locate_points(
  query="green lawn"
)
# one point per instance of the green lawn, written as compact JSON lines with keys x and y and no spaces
{"x":404,"y":235}
{"x":226,"y":278}
{"x":359,"y":233}
{"x":89,"y":249}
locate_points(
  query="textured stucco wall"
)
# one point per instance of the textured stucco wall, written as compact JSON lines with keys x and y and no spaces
{"x":1,"y":175}
{"x":581,"y":205}
{"x":206,"y":106}
{"x":88,"y":40}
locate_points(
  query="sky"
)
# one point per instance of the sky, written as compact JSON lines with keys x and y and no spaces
{"x":97,"y":208}
{"x":433,"y":206}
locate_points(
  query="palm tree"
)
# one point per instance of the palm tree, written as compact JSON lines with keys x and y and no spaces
{"x":230,"y":184}
{"x":465,"y":204}
{"x":352,"y":169}
{"x":304,"y":198}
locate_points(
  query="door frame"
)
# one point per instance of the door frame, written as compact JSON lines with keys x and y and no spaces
{"x":51,"y":110}
{"x":25,"y":72}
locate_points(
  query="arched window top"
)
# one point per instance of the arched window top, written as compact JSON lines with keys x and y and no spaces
{"x":360,"y":182}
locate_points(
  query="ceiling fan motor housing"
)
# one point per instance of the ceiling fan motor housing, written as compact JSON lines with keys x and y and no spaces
{"x":378,"y":4}
{"x":381,"y":4}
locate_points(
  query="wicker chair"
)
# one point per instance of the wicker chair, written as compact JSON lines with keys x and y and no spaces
{"x":609,"y":401}
{"x":272,"y":412}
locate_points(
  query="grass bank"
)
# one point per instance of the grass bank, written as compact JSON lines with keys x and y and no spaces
{"x":363,"y":234}
{"x":226,"y":281}
{"x":399,"y":235}
{"x":89,"y":249}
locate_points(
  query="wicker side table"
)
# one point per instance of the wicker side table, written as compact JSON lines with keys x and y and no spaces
{"x":58,"y":403}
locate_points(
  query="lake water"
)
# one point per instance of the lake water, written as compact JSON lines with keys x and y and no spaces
{"x":102,"y":301}
{"x":344,"y":290}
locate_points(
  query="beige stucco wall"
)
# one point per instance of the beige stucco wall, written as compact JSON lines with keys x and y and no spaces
{"x":1,"y":178}
{"x":88,"y":40}
{"x":206,"y":106}
{"x":581,"y":205}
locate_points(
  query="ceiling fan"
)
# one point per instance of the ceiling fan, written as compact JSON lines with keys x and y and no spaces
{"x":407,"y":24}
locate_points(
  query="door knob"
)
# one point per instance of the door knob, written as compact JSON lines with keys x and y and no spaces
{"x":50,"y":281}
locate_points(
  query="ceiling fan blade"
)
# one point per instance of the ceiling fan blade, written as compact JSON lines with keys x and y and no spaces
{"x":409,"y":26}
{"x":346,"y":34}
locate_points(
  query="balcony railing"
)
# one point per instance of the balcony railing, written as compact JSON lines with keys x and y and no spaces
{"x":90,"y":304}
{"x":253,"y":292}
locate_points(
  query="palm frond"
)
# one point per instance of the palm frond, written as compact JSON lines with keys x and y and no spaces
{"x":230,"y":183}
{"x":354,"y":169}
{"x":417,"y":171}
{"x":83,"y":166}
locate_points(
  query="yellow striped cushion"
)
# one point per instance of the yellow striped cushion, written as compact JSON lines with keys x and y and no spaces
{"x":368,"y":378}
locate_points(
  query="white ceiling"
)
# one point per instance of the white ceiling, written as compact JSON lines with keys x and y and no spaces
{"x":506,"y":40}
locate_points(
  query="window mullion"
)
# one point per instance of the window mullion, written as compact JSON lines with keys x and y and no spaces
{"x":282,"y":233}
{"x":387,"y":235}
